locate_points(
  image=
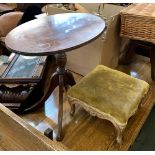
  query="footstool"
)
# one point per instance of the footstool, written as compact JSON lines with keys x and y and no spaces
{"x":109,"y":94}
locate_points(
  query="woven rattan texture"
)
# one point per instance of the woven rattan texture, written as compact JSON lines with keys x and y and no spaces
{"x":138,"y":22}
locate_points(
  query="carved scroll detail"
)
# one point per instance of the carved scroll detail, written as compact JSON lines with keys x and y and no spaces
{"x":96,"y":112}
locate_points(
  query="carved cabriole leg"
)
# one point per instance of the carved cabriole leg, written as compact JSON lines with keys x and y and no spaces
{"x":72,"y":106}
{"x":96,"y":112}
{"x":54,"y":82}
{"x":119,"y":133}
{"x":69,"y":80}
{"x":72,"y":111}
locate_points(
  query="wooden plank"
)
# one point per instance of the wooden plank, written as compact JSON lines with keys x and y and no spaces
{"x":16,"y":134}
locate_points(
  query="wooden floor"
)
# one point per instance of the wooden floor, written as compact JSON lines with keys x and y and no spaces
{"x":82,"y":131}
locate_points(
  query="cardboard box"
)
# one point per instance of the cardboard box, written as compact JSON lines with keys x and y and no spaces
{"x":104,"y":50}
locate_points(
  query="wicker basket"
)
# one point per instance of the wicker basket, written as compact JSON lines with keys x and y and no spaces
{"x":138,"y":22}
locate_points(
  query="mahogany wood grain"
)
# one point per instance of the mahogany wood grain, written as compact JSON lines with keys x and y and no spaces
{"x":54,"y":34}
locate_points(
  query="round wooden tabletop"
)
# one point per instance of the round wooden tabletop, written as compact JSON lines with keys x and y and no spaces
{"x":54,"y":34}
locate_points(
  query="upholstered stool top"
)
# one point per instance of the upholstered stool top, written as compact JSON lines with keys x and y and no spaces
{"x":112,"y":93}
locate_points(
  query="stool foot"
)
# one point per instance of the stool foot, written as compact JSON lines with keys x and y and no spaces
{"x":119,"y":132}
{"x":119,"y":138}
{"x":72,"y":111}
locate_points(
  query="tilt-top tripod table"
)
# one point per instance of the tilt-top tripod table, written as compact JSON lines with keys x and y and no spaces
{"x":56,"y":35}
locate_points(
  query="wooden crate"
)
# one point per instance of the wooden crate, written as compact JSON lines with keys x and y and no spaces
{"x":17,"y":135}
{"x":138,"y":22}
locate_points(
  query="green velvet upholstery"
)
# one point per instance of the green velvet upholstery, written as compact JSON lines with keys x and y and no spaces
{"x":111,"y":92}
